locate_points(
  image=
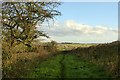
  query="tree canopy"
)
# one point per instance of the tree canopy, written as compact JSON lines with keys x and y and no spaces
{"x":19,"y":20}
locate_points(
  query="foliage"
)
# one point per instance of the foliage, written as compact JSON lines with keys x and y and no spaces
{"x":98,"y":61}
{"x":19,"y":20}
{"x":19,"y":63}
{"x":102,"y":54}
{"x":51,"y":46}
{"x":19,"y":30}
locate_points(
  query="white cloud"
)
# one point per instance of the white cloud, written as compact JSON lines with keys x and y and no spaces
{"x":87,"y":29}
{"x":82,"y":32}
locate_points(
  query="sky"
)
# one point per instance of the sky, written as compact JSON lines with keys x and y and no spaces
{"x":85,"y":22}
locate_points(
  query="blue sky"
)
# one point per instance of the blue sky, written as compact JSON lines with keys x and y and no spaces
{"x":85,"y":22}
{"x":93,"y":13}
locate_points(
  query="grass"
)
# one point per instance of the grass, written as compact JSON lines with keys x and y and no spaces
{"x":99,"y":61}
{"x":73,"y":68}
{"x":105,"y":55}
{"x":78,"y":68}
{"x":50,"y":68}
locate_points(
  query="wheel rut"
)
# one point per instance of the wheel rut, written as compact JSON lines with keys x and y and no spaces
{"x":62,"y":67}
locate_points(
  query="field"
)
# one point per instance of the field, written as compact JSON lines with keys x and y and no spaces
{"x":40,"y":40}
{"x":66,"y":46}
{"x":67,"y":61}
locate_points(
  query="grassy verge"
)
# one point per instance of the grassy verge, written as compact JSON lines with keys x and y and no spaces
{"x":79,"y":68}
{"x":50,"y":68}
{"x":70,"y":67}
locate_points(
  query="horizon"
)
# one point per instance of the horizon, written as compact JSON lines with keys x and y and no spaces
{"x":45,"y":41}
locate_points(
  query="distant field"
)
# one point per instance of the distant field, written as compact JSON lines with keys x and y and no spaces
{"x":66,"y":46}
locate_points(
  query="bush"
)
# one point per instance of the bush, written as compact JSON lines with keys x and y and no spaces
{"x":20,"y":58}
{"x":51,"y":46}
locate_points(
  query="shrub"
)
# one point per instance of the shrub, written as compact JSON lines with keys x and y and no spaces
{"x":51,"y":46}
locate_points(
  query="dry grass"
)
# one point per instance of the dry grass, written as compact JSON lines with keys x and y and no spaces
{"x":71,"y":46}
{"x":19,"y":60}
